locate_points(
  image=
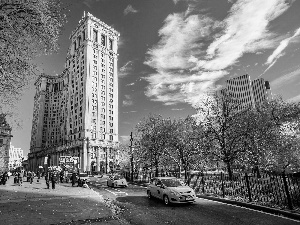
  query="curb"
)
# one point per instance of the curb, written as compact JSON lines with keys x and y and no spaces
{"x":279,"y":212}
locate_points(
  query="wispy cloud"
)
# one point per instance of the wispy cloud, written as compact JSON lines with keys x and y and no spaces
{"x":289,"y":77}
{"x":129,"y":9}
{"x":278,"y":52}
{"x":131,"y":84}
{"x":195,"y":51}
{"x":295,"y":99}
{"x":246,"y":30}
{"x":126,"y":69}
{"x":128,"y":101}
{"x":174,"y":109}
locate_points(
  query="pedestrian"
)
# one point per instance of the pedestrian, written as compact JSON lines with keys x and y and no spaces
{"x":38,"y":176}
{"x":4,"y":178}
{"x":20,"y":178}
{"x":30,"y":178}
{"x":61,"y":176}
{"x":73,"y":179}
{"x":53,"y":179}
{"x":47,"y":179}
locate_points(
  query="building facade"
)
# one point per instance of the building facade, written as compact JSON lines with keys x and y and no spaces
{"x":249,"y":93}
{"x":5,"y":139}
{"x":76,"y":112}
{"x":16,"y":157}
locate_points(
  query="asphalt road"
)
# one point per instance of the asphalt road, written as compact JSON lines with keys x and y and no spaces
{"x":136,"y":208}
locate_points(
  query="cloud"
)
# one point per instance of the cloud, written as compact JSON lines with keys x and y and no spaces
{"x":89,"y":2}
{"x":177,"y":109}
{"x":277,"y":53}
{"x":294,"y":99}
{"x":194,"y":51}
{"x":126,"y":69}
{"x":245,"y":31}
{"x":129,"y":9}
{"x":289,"y":77}
{"x":131,"y":84}
{"x":128,"y":101}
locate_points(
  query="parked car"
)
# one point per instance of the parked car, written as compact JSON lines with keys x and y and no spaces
{"x":170,"y":190}
{"x":116,"y":181}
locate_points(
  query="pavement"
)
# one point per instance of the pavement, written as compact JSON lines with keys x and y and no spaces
{"x":35,"y":204}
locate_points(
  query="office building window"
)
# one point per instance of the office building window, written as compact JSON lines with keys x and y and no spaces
{"x":95,"y":36}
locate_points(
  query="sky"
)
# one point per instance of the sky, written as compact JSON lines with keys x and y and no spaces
{"x":173,"y":52}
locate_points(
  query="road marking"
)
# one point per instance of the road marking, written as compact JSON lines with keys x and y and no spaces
{"x":115,"y":193}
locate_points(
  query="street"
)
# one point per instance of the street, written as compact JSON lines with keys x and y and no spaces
{"x":34,"y":204}
{"x":138,"y":209}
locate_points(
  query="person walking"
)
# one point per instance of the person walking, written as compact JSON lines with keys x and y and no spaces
{"x":47,"y":179}
{"x":61,"y":176}
{"x":30,"y":178}
{"x":4,"y":178}
{"x":73,"y":178}
{"x":20,"y":178}
{"x":38,"y":174}
{"x":53,"y":179}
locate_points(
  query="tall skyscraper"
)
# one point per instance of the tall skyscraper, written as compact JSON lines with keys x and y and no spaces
{"x":76,"y":112}
{"x":249,"y":93}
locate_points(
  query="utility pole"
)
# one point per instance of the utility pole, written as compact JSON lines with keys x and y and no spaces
{"x":131,"y":157}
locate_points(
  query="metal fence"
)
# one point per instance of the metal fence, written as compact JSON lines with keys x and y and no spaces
{"x":281,"y":191}
{"x":270,"y":190}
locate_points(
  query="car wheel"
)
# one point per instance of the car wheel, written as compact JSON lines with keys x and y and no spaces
{"x":107,"y":184}
{"x":166,"y":200}
{"x":113,"y":185}
{"x":149,"y":194}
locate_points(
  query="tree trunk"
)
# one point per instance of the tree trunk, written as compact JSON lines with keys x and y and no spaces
{"x":229,"y":170}
{"x":179,"y":167}
{"x":156,"y":167}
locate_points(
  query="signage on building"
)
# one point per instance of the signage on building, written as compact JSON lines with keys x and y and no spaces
{"x":68,"y":160}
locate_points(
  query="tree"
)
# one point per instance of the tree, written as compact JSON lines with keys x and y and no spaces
{"x":225,"y":128}
{"x":27,"y":29}
{"x":270,"y":137}
{"x":152,"y":136}
{"x":123,"y":155}
{"x":184,"y":144}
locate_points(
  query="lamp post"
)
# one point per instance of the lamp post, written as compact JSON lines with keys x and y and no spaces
{"x":131,"y":157}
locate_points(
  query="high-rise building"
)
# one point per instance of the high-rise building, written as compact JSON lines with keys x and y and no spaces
{"x":5,"y":139}
{"x":249,"y":93}
{"x":76,"y":112}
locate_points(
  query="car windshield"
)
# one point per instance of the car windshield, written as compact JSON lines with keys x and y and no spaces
{"x":83,"y":175}
{"x":118,"y":177}
{"x":172,"y":182}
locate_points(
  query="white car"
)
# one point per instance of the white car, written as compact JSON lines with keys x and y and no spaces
{"x":170,"y":190}
{"x":116,"y":181}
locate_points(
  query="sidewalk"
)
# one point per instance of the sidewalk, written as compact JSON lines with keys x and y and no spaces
{"x":35,"y":204}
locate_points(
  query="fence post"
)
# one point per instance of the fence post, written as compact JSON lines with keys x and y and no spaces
{"x":248,"y":187}
{"x":286,"y":188}
{"x":223,"y":189}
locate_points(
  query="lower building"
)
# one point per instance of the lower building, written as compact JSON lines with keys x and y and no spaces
{"x":16,"y":157}
{"x":5,"y":139}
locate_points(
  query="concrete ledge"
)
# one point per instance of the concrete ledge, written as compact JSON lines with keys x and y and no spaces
{"x":295,"y":216}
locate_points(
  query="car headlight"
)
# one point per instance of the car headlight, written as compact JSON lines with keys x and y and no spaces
{"x":175,"y":193}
